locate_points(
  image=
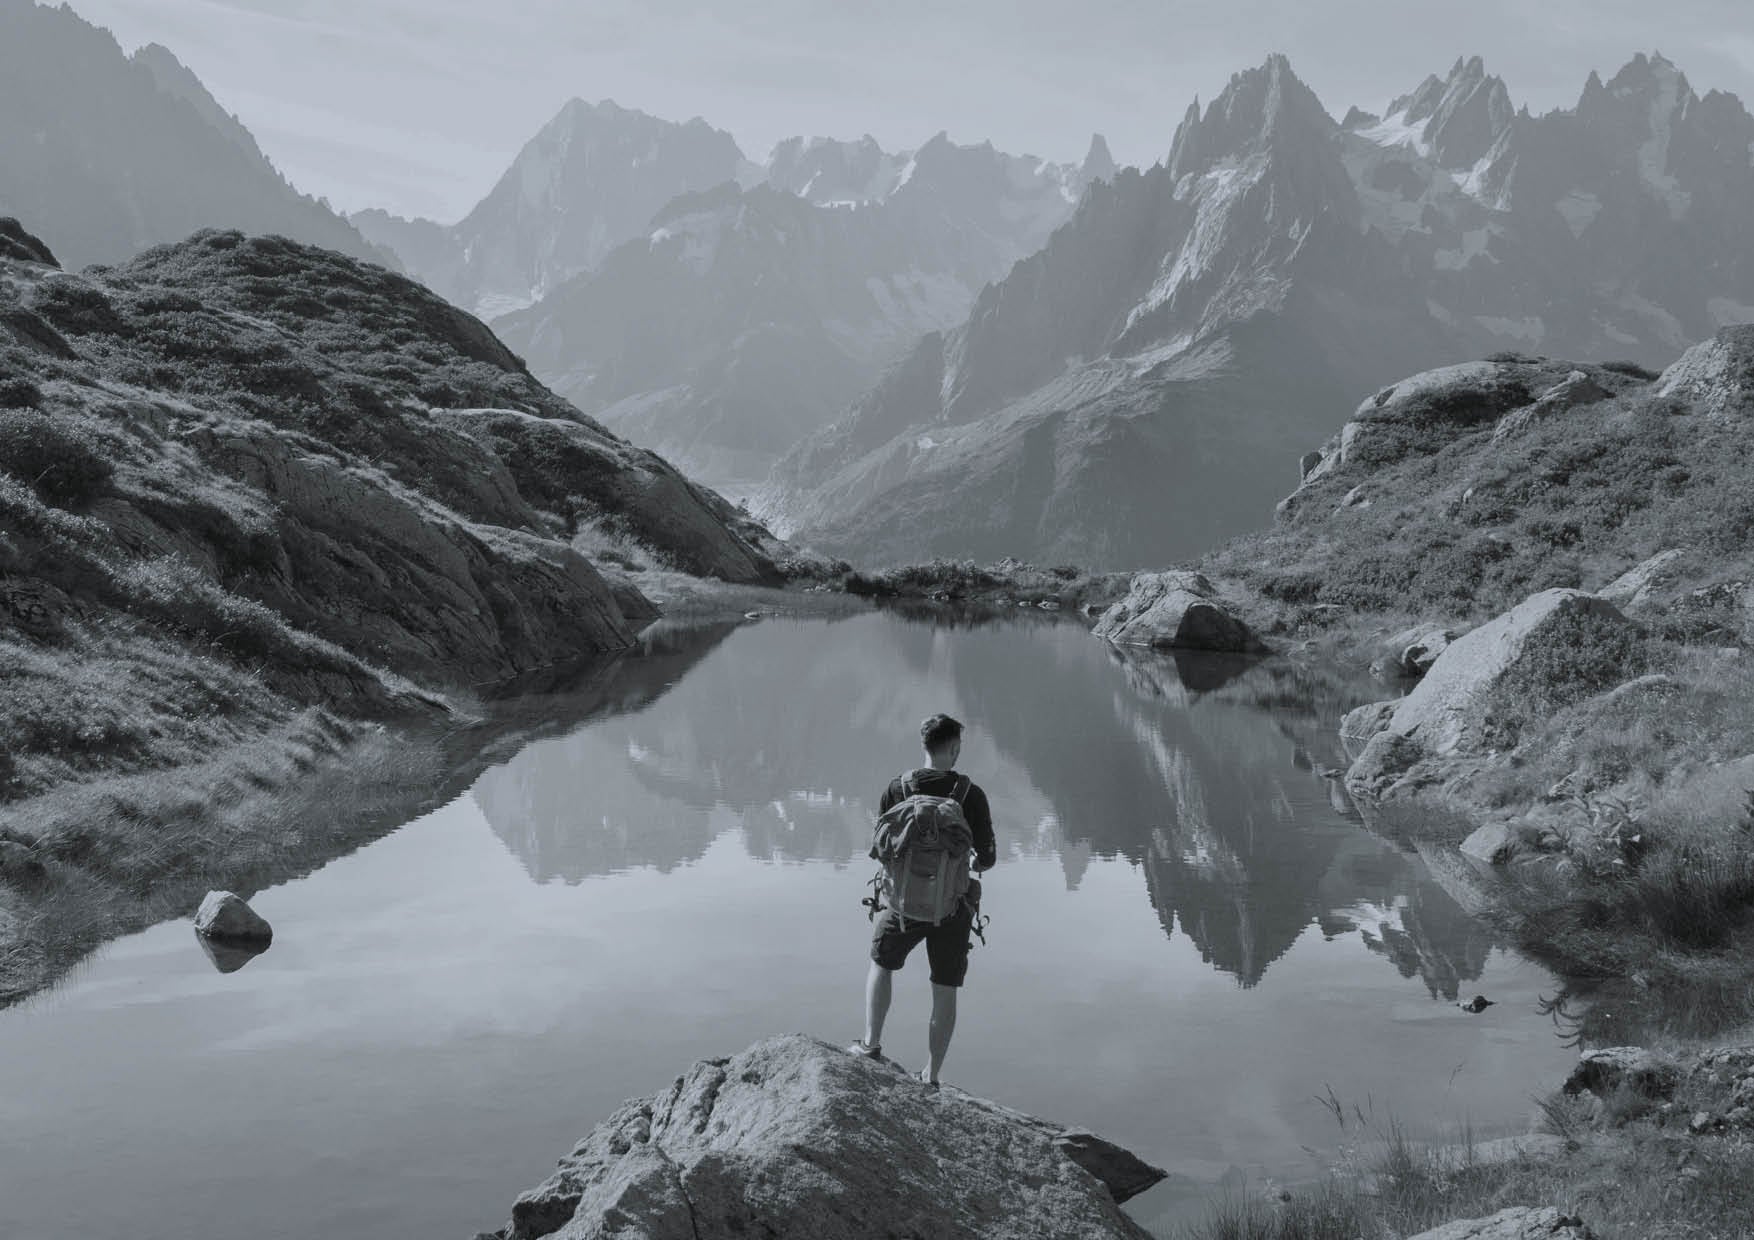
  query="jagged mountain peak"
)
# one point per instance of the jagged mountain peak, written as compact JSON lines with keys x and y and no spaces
{"x":1099,"y":163}
{"x":1456,"y":119}
{"x":1265,"y":107}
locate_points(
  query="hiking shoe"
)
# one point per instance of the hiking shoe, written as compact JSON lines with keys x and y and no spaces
{"x":925,"y":1078}
{"x":867,"y":1052}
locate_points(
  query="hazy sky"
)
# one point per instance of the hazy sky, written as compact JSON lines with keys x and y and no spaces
{"x":419,"y":105}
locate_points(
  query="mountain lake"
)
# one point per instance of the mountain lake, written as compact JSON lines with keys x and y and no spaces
{"x":1196,"y":948}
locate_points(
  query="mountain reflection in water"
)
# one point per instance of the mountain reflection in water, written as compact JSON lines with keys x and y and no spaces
{"x":1202,"y":771}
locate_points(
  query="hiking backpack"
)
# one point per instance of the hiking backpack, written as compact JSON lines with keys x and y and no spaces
{"x":922,"y":843}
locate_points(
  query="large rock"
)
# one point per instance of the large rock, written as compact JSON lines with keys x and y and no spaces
{"x":794,"y":1139}
{"x":1175,"y":610}
{"x":1361,"y":723}
{"x":1515,"y":1223}
{"x":1716,"y":376}
{"x":1636,"y":585}
{"x":1613,"y":1068}
{"x":1446,"y":712}
{"x":225,"y":917}
{"x":1412,"y":651}
{"x":1493,"y":843}
{"x":1575,"y":390}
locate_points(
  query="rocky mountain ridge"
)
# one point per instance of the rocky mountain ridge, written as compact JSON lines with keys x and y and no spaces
{"x":744,"y":314}
{"x":1129,"y":395}
{"x":596,"y":175}
{"x":106,"y":154}
{"x":590,"y":179}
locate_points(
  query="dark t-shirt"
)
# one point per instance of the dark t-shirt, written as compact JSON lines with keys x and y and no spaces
{"x":936,"y":783}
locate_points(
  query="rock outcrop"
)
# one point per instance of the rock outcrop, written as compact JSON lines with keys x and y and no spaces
{"x":1447,"y":713}
{"x":1412,"y":651}
{"x":1514,"y":1223}
{"x":1716,"y":376}
{"x":226,"y":918}
{"x":1423,"y":412}
{"x":1176,"y":610}
{"x":794,"y":1139}
{"x":283,"y":463}
{"x":1643,"y":581}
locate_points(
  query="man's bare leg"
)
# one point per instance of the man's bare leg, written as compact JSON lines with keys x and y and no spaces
{"x":877,"y":991}
{"x":943,"y":1025}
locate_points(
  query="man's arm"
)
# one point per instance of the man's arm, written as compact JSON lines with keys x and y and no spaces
{"x":980,"y":821}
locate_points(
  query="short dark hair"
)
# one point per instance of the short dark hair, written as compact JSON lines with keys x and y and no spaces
{"x":939,"y":731}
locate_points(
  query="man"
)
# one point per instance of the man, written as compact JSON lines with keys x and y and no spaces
{"x":947,"y":943}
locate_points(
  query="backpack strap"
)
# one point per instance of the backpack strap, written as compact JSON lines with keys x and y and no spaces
{"x":906,"y":783}
{"x":960,"y":793}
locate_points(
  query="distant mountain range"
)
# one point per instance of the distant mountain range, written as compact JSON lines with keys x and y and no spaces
{"x":103,"y":154}
{"x":743,"y":319}
{"x":592,"y":178}
{"x":1142,"y":388}
{"x":957,"y":351}
{"x":716,"y":309}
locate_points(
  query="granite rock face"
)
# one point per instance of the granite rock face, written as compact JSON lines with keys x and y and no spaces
{"x":1716,"y":376}
{"x":1641,"y":583}
{"x":1445,"y":712}
{"x":794,"y":1139}
{"x":1176,"y":610}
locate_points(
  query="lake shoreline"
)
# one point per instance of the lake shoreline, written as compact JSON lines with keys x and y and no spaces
{"x":87,"y":861}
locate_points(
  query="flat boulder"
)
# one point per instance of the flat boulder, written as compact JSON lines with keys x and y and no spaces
{"x":1515,"y":1223}
{"x":225,"y":917}
{"x":1176,"y":610}
{"x":794,"y":1139}
{"x":1446,"y":711}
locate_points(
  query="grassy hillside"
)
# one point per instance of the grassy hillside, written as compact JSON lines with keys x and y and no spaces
{"x":1619,"y":760}
{"x":255,"y":496}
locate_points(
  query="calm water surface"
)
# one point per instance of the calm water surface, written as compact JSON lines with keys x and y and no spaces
{"x":1190,"y":941}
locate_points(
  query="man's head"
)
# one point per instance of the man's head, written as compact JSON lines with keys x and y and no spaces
{"x":942,"y":737}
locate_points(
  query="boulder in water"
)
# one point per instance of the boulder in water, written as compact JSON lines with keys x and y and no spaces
{"x":1176,"y":610}
{"x":794,"y":1139}
{"x":226,"y":918}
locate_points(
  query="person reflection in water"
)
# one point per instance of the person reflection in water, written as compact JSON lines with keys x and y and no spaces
{"x":931,"y":819}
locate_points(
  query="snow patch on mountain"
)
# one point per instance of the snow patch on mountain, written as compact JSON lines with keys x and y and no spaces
{"x":1579,"y":210}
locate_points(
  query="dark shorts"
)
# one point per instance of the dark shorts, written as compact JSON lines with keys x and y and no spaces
{"x":947,"y":943}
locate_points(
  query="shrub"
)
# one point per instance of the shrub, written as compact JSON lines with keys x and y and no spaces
{"x":1632,"y":369}
{"x":42,"y":452}
{"x":1581,"y":655}
{"x":867,"y":587}
{"x":19,"y":394}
